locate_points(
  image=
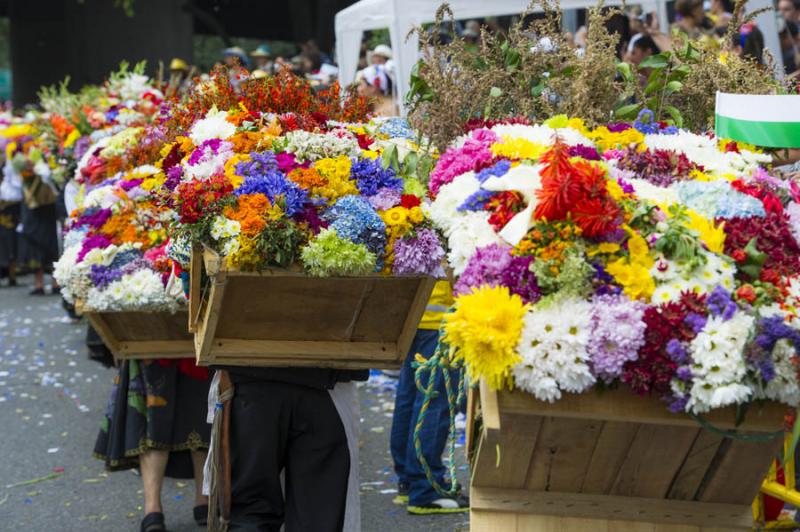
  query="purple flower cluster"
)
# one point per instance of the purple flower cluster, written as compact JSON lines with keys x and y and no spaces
{"x":420,"y":254}
{"x":494,"y":265}
{"x":102,"y":276}
{"x":95,"y":218}
{"x":720,"y":303}
{"x":385,"y":199}
{"x":200,"y":152}
{"x":93,"y":242}
{"x":476,"y":201}
{"x":696,"y":321}
{"x":371,"y":177}
{"x":617,"y":334}
{"x":587,"y":152}
{"x":771,"y":330}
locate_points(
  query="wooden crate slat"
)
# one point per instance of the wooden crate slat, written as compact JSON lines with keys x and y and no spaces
{"x":653,"y":460}
{"x":515,"y":445}
{"x":563,"y":451}
{"x":695,"y":466}
{"x":144,"y":335}
{"x":738,"y":470}
{"x":611,"y":449}
{"x":623,"y":405}
{"x":235,"y":347}
{"x":195,"y":287}
{"x":636,"y":509}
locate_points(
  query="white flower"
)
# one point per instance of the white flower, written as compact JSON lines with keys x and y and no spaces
{"x":73,"y":278}
{"x":468,"y":233}
{"x":102,"y":197}
{"x":214,"y":126}
{"x":541,"y":134}
{"x":223,"y":227}
{"x":718,"y":364}
{"x":308,"y":146}
{"x":553,"y":347}
{"x":783,"y":387}
{"x":140,"y":290}
{"x":443,"y":210}
{"x":647,"y":191}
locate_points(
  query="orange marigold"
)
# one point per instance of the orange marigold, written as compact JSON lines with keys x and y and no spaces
{"x":249,"y":212}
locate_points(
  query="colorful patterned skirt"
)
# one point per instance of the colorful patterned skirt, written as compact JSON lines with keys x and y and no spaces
{"x":155,"y":405}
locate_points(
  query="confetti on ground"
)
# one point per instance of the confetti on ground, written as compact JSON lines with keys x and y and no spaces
{"x":32,"y":481}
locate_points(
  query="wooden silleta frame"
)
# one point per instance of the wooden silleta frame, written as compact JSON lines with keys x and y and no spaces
{"x":282,"y":317}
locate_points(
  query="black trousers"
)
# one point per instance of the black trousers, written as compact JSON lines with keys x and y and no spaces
{"x":279,"y":427}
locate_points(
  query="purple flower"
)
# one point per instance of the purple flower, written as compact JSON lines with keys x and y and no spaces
{"x":474,"y":153}
{"x":695,"y":321}
{"x":618,"y":127}
{"x":95,"y":218}
{"x":287,"y":162}
{"x":476,"y":201}
{"x":93,"y":242}
{"x":421,"y":254}
{"x":102,"y":276}
{"x":720,"y":303}
{"x":684,"y":373}
{"x":261,"y":176}
{"x":617,"y":334}
{"x":678,"y":404}
{"x":128,"y":185}
{"x":493,"y":265}
{"x":310,"y":217}
{"x":210,"y":144}
{"x":174,"y":175}
{"x":587,"y":152}
{"x":676,"y":351}
{"x":385,"y":199}
{"x":371,"y":177}
{"x":627,"y":188}
{"x":498,"y":169}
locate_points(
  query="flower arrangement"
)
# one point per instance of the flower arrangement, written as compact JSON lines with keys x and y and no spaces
{"x":116,"y":248}
{"x":302,"y":189}
{"x":627,"y":254}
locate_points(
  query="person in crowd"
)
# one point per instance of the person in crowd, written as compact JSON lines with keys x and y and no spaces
{"x":721,"y":13}
{"x":620,"y":25}
{"x":156,"y":420}
{"x":472,"y":34}
{"x":790,"y":10}
{"x":297,"y":466}
{"x":180,"y":78}
{"x":38,"y":219}
{"x":262,"y":58}
{"x":413,"y":487}
{"x":237,"y":64}
{"x":640,"y":48}
{"x":748,"y":42}
{"x":788,"y":35}
{"x":10,"y":203}
{"x":691,"y":18}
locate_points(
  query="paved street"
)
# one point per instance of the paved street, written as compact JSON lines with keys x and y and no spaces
{"x":51,"y":402}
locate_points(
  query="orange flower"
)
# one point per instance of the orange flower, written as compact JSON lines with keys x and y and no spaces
{"x":250,"y":212}
{"x":246,"y":141}
{"x":308,"y":178}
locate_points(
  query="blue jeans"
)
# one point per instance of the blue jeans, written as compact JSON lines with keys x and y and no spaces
{"x":433,"y":435}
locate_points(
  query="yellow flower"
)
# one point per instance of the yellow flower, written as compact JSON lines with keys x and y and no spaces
{"x":17,"y":130}
{"x":395,"y":216}
{"x":415,"y":215}
{"x":73,"y":136}
{"x":337,"y":172}
{"x":154,"y":182}
{"x":517,"y":148}
{"x":712,"y":235}
{"x":484,"y":331}
{"x":635,"y":279}
{"x":230,"y":168}
{"x":607,"y":140}
{"x":604,"y":248}
{"x":614,"y":190}
{"x":370,"y":154}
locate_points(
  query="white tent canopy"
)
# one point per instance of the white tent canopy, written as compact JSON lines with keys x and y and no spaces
{"x":401,"y":16}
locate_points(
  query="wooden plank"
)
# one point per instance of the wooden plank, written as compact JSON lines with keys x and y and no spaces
{"x":195,"y":286}
{"x":267,"y":349}
{"x":695,"y":466}
{"x":103,"y":330}
{"x":487,"y":521}
{"x":155,"y":349}
{"x":623,"y":405}
{"x":609,"y":453}
{"x":295,"y":362}
{"x":563,"y":452}
{"x":489,"y":406}
{"x":503,"y":456}
{"x":737,"y":471}
{"x":643,"y":510}
{"x":654,"y":458}
{"x":147,"y":326}
{"x":472,"y":416}
{"x":207,"y":326}
{"x":414,"y":314}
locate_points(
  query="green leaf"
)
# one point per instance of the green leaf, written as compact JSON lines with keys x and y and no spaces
{"x":793,"y":442}
{"x":674,"y":86}
{"x":755,"y":260}
{"x":625,"y":71}
{"x":410,"y":163}
{"x":627,"y":111}
{"x":424,"y":167}
{"x":676,"y":115}
{"x":389,"y":154}
{"x":655,"y":61}
{"x":537,"y":89}
{"x":495,"y":92}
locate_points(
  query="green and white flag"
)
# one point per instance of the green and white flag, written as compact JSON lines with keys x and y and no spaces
{"x":771,"y":121}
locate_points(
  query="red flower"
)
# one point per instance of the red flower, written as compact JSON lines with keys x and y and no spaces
{"x":409,"y":201}
{"x":739,"y":255}
{"x":746,"y":293}
{"x":731,"y":147}
{"x":503,"y":206}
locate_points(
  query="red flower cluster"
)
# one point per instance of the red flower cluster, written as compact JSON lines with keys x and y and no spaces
{"x":771,"y":202}
{"x":409,"y":201}
{"x":661,"y":167}
{"x":577,"y":191}
{"x":197,"y":198}
{"x":480,"y":123}
{"x":773,"y":238}
{"x":503,"y":206}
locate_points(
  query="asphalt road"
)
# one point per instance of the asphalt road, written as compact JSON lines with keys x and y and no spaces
{"x":51,"y":402}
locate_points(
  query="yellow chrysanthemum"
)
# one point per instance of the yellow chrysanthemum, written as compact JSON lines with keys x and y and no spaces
{"x":485,"y":329}
{"x":603,"y":248}
{"x":517,"y":148}
{"x":635,"y":279}
{"x":337,"y":172}
{"x":395,"y":216}
{"x":608,"y":140}
{"x":370,"y":154}
{"x":154,"y":182}
{"x":614,"y":190}
{"x":17,"y":130}
{"x":230,"y":168}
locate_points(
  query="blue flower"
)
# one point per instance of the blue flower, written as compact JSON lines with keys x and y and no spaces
{"x":476,"y":201}
{"x":720,"y":303}
{"x":396,"y":128}
{"x":354,"y":219}
{"x":716,"y":199}
{"x":645,"y":122}
{"x":499,"y":169}
{"x":371,"y":177}
{"x":261,"y":176}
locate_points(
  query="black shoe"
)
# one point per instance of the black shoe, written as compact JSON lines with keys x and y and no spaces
{"x":458,"y":504}
{"x":402,"y":493}
{"x":201,"y":515}
{"x":153,"y":522}
{"x":37,"y":292}
{"x":55,"y":291}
